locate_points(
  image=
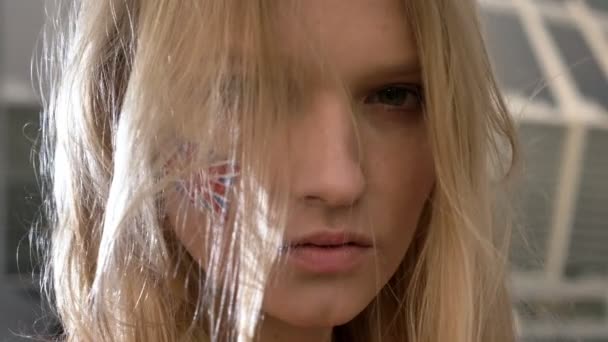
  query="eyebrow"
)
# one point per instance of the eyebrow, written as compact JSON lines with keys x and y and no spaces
{"x":385,"y":72}
{"x":406,"y":69}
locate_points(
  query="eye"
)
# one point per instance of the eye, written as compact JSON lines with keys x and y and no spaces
{"x":397,"y":97}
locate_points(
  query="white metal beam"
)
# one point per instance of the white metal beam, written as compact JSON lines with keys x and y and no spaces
{"x":569,"y":103}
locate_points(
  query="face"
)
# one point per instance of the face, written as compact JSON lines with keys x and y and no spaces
{"x":357,"y":187}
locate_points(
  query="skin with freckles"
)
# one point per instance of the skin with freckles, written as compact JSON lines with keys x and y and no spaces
{"x":372,"y":175}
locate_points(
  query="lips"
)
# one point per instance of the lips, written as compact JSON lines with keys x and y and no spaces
{"x":329,"y":252}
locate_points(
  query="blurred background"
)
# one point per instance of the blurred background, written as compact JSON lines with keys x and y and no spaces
{"x":551,"y":57}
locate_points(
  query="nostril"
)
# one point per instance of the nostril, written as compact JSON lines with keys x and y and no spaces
{"x":314,"y":200}
{"x":340,"y":182}
{"x":311,"y":198}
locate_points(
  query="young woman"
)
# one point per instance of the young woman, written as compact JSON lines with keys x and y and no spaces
{"x":319,"y":170}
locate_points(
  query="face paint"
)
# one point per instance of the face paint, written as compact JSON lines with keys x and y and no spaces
{"x":210,"y":188}
{"x":207,"y":189}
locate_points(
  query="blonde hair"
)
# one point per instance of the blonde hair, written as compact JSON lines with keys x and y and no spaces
{"x":129,"y":76}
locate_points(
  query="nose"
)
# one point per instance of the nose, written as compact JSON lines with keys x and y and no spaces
{"x":324,"y":153}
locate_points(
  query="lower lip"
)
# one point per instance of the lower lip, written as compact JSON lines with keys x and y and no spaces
{"x":327,"y":259}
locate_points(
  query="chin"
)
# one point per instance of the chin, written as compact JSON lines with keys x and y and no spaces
{"x":311,"y":318}
{"x":317,"y":306}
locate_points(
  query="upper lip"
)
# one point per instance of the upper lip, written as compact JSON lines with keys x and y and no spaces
{"x":330,"y":238}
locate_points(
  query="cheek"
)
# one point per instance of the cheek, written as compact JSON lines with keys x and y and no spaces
{"x":401,"y":178}
{"x":188,"y":224}
{"x":199,"y":229}
{"x":405,"y":182}
{"x":200,"y":204}
{"x":401,"y":170}
{"x":399,"y":161}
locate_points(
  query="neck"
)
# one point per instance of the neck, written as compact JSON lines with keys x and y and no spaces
{"x":274,"y":330}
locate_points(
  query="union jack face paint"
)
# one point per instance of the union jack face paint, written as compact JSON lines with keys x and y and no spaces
{"x":210,"y":188}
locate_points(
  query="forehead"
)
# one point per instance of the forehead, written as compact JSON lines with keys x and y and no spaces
{"x":353,"y":34}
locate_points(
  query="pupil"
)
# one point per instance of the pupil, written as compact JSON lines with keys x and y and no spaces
{"x":393,"y":96}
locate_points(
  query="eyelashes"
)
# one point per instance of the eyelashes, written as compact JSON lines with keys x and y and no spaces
{"x":397,"y":96}
{"x":401,"y":97}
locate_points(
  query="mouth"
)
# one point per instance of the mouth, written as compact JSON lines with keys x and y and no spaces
{"x":328,"y":253}
{"x":327,"y":246}
{"x":326,"y":239}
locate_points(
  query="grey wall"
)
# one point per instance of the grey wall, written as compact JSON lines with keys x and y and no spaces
{"x":20,"y":26}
